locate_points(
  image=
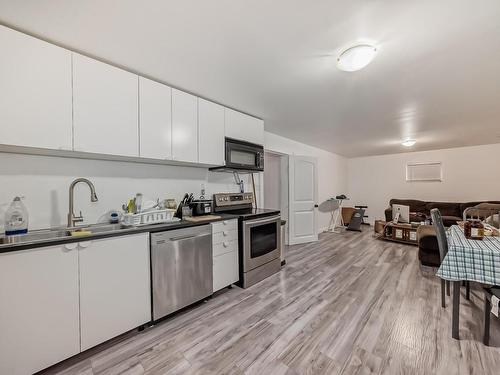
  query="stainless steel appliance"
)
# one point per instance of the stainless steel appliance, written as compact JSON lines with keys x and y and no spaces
{"x":259,"y":236}
{"x":182,"y":266}
{"x":242,"y":156}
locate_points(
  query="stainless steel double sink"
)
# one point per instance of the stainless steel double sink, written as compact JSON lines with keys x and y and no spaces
{"x":45,"y":235}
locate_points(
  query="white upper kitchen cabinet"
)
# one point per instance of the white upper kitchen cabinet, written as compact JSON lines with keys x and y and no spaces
{"x":210,"y":132}
{"x":244,"y":127}
{"x":115,"y":293}
{"x":155,"y":119}
{"x":35,"y":92}
{"x":184,"y":127}
{"x":39,"y":321}
{"x":105,"y":105}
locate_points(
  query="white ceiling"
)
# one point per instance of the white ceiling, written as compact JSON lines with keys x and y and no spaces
{"x":436,"y":77}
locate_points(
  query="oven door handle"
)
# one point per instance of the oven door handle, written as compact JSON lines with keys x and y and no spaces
{"x":262,"y":221}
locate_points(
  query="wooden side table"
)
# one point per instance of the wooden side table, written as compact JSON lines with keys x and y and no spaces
{"x":403,"y":233}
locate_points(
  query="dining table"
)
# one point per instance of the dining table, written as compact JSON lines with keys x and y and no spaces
{"x":469,"y":260}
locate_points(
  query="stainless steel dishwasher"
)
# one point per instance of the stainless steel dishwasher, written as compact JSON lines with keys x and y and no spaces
{"x":182,"y":266}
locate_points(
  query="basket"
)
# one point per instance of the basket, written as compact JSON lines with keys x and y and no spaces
{"x":151,"y":217}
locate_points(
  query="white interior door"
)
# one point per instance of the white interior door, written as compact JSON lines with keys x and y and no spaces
{"x":303,"y":174}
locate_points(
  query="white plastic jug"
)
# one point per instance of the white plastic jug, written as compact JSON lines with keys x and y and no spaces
{"x":16,"y":218}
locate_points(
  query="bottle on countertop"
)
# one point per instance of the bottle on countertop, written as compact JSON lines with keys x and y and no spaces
{"x":16,"y":218}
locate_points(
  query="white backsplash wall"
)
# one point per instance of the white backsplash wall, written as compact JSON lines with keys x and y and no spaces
{"x":44,"y":181}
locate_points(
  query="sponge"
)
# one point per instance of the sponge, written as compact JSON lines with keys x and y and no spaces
{"x":80,"y":233}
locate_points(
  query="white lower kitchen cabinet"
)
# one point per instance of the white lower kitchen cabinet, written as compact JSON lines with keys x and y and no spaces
{"x":39,"y":308}
{"x":225,"y":253}
{"x":225,"y":270}
{"x":115,"y":294}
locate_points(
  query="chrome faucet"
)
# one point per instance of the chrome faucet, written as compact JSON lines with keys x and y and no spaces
{"x":72,"y":219}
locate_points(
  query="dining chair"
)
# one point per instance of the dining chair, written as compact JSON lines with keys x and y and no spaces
{"x":488,"y":297}
{"x":437,"y":222}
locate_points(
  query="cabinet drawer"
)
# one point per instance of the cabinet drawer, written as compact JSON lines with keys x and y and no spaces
{"x":225,"y":236}
{"x":226,"y":271}
{"x":225,"y":247}
{"x":224,"y":225}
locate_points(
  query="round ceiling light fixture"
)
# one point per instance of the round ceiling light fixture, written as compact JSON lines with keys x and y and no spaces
{"x":356,"y":57}
{"x":408,"y":142}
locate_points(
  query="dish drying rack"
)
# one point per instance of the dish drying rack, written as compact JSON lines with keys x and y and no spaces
{"x":150,"y":217}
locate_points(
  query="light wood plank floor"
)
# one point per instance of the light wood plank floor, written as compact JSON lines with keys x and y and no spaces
{"x":348,"y":304}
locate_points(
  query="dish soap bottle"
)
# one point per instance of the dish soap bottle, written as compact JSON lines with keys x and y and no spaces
{"x":16,"y":218}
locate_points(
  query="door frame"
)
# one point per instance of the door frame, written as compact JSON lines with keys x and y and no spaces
{"x":285,"y":189}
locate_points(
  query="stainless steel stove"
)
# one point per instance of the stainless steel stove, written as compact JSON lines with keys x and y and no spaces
{"x":259,"y":233}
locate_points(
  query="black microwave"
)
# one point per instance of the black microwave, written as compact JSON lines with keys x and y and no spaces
{"x":244,"y":156}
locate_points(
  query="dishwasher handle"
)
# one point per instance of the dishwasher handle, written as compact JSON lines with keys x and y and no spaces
{"x":181,"y":238}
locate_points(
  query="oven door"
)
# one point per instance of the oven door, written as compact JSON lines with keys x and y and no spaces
{"x":261,"y":241}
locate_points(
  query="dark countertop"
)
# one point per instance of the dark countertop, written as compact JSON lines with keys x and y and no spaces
{"x":17,"y":246}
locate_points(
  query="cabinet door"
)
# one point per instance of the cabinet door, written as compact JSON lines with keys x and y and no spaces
{"x":155,"y":119}
{"x":244,"y":127}
{"x":184,"y":126}
{"x":115,"y":294}
{"x":39,"y":314}
{"x":226,"y":271}
{"x":35,"y":94}
{"x":105,"y":101}
{"x":210,"y":132}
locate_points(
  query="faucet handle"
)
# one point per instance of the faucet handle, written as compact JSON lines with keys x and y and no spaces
{"x":78,"y":219}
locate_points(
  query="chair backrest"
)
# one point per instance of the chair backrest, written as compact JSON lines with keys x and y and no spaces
{"x":437,"y":222}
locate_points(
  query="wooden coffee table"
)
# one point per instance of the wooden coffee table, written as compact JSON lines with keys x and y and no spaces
{"x":403,"y":233}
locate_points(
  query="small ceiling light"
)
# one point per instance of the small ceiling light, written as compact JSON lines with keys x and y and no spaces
{"x":356,"y":57}
{"x":409,"y":142}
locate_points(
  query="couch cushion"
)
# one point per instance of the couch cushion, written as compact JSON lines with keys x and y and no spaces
{"x":446,"y":208}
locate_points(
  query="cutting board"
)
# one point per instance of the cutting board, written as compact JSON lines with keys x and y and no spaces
{"x":197,"y":219}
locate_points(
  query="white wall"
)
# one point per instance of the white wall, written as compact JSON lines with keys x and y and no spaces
{"x":332,"y":169}
{"x":469,"y":174}
{"x":44,"y":181}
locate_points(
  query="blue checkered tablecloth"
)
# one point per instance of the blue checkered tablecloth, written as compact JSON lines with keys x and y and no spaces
{"x":473,"y":260}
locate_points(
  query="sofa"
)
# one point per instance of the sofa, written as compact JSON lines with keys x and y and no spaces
{"x":428,"y":251}
{"x":450,"y":211}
